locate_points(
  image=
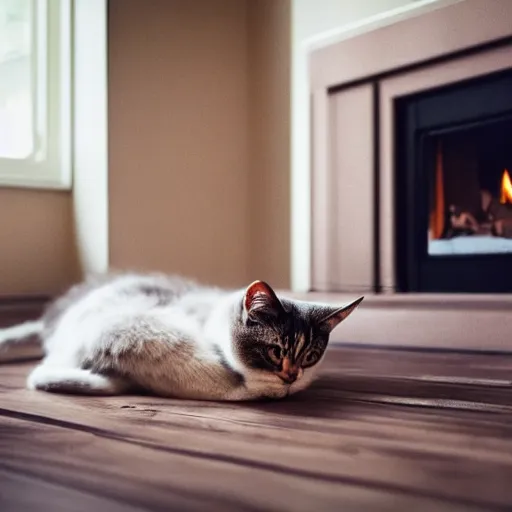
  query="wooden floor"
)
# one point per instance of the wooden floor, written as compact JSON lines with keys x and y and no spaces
{"x":381,"y":430}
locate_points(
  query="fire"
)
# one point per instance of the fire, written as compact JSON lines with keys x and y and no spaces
{"x":506,"y":188}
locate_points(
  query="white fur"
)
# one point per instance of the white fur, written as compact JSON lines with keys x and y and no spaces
{"x":73,"y":380}
{"x":19,"y":332}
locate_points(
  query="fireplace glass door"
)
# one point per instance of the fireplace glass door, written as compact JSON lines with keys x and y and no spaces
{"x":470,"y":210}
{"x":454,"y":188}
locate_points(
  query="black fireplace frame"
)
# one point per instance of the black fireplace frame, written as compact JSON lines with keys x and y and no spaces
{"x":419,"y":118}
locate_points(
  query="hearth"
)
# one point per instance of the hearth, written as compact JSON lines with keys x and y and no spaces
{"x":454,"y":188}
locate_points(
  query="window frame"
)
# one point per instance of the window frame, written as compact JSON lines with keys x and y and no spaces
{"x":50,"y":164}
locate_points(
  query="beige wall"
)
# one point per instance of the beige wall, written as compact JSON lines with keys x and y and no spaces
{"x":37,"y":254}
{"x":198,"y":138}
{"x":269,"y":139}
{"x":178,"y":183}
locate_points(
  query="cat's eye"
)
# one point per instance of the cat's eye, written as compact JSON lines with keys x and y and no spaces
{"x":275,"y":354}
{"x":310,"y":359}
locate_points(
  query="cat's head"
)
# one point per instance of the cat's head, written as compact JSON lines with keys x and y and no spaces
{"x":281,"y":341}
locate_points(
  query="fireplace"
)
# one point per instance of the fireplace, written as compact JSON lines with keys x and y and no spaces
{"x":411,"y":170}
{"x":411,"y":157}
{"x":453,"y":189}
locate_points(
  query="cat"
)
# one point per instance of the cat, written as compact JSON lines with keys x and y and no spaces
{"x":172,"y":337}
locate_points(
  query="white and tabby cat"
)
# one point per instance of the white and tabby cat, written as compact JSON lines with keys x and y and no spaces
{"x":171,"y":337}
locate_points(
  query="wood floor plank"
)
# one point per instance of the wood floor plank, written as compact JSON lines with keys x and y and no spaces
{"x":22,"y":493}
{"x":155,"y":479}
{"x":320,"y":454}
{"x":380,"y":430}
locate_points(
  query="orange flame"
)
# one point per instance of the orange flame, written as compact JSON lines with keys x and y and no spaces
{"x":437,"y":217}
{"x":506,"y":188}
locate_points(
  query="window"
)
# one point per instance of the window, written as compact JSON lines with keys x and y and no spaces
{"x":35,"y":93}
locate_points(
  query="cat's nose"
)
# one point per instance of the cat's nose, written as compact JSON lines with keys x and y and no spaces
{"x":288,"y":378}
{"x":289,"y":372}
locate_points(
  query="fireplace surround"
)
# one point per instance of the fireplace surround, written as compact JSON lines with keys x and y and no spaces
{"x":363,"y":237}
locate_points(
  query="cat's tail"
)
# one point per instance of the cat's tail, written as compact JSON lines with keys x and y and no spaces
{"x":21,"y":341}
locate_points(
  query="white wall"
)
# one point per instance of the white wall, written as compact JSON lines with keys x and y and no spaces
{"x":315,"y":23}
{"x":90,"y":159}
{"x":314,"y":17}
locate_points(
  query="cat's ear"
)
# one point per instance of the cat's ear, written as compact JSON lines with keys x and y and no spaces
{"x":261,"y":302}
{"x":333,"y":316}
